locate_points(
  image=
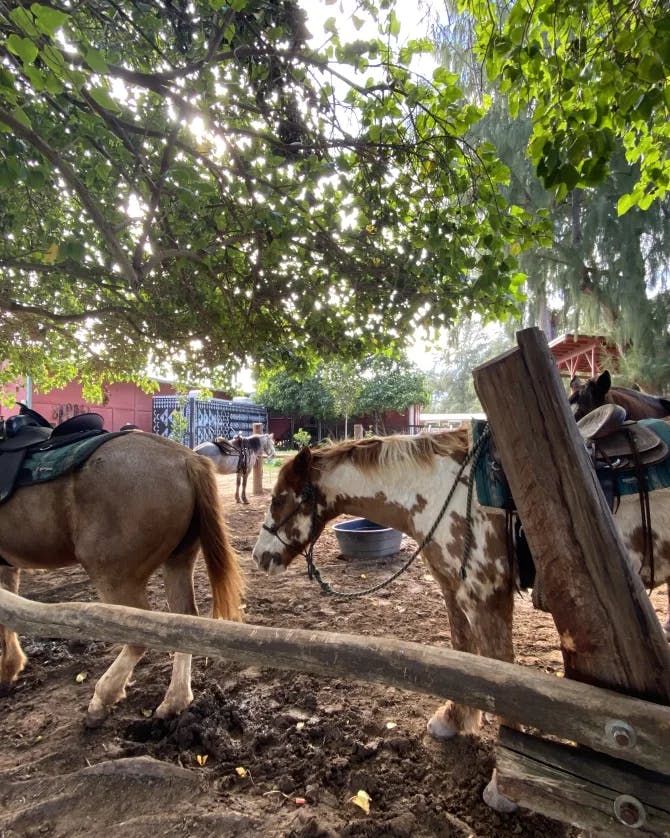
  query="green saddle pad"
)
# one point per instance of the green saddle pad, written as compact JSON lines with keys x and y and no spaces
{"x":657,"y":476}
{"x":41,"y":466}
{"x":492,"y":488}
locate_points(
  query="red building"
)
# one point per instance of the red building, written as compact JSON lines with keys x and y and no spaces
{"x":124,"y":402}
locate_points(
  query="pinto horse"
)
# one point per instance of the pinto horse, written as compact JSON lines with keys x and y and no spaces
{"x":586,"y":396}
{"x":402,"y":482}
{"x":238,"y":455}
{"x":138,"y":503}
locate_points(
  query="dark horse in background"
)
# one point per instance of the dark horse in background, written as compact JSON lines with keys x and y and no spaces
{"x":586,"y":396}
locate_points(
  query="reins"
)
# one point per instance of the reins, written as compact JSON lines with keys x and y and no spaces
{"x":308,"y":493}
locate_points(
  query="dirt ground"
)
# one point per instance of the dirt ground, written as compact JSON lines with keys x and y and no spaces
{"x":260,"y":752}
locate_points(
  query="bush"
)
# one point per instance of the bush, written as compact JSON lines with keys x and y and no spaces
{"x":302,"y":438}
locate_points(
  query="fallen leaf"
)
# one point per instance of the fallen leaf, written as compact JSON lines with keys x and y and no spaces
{"x":363,"y":576}
{"x":241,"y":772}
{"x":391,"y":725}
{"x":82,"y":676}
{"x":201,"y":759}
{"x":147,"y":713}
{"x":299,"y":725}
{"x":362,"y":800}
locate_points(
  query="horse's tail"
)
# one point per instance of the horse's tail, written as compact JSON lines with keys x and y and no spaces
{"x":223,"y":569}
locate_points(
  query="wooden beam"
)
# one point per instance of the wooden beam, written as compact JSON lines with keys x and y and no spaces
{"x":609,"y":632}
{"x":594,"y":792}
{"x":566,"y":709}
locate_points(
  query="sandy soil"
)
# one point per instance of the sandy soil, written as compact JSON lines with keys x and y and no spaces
{"x":260,"y":752}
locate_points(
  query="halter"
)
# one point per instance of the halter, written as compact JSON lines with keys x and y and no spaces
{"x":309,"y":493}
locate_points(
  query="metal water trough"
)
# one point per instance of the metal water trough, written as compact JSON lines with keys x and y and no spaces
{"x":363,"y":539}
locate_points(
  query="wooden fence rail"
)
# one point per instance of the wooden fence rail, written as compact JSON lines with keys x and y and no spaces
{"x":566,"y":709}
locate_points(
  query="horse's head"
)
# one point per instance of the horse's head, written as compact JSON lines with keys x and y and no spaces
{"x":586,"y":396}
{"x":268,"y":442}
{"x":295,"y":518}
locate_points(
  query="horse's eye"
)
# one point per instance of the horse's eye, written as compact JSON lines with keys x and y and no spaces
{"x":277,"y":503}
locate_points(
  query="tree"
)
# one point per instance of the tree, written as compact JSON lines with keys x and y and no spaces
{"x":463,"y":348}
{"x":389,"y":384}
{"x":295,"y":396}
{"x":594,"y":74}
{"x":342,"y":380}
{"x":196,"y":185}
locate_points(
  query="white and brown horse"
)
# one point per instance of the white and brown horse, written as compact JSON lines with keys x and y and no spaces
{"x":587,"y":396}
{"x":238,"y":456}
{"x":402,"y":482}
{"x":140,"y":502}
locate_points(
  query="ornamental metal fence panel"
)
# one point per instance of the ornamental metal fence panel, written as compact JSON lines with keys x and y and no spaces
{"x":206,"y":418}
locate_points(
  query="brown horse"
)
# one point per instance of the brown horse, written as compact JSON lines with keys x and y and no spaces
{"x":586,"y":396}
{"x":138,"y":503}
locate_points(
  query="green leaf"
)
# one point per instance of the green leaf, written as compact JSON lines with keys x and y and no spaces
{"x":20,"y":116}
{"x":23,"y":47}
{"x":96,"y":61}
{"x":48,"y":19}
{"x":625,"y":203}
{"x":101,"y":96}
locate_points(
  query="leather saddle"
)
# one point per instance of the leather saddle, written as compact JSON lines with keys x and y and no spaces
{"x":622,"y":443}
{"x":29,"y":431}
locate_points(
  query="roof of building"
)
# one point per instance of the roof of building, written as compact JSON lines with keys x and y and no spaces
{"x":583,"y":354}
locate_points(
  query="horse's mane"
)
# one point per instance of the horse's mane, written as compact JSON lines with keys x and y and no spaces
{"x":392,"y":451}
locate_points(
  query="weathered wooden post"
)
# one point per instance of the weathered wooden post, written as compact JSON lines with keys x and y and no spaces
{"x":358,"y":432}
{"x":257,"y":428}
{"x":609,"y":633}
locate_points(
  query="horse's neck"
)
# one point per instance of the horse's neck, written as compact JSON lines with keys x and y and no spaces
{"x":395,"y":496}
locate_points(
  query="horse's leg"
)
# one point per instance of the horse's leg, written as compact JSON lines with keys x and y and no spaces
{"x":666,"y":624}
{"x":245,"y":475}
{"x":452,"y":718}
{"x":111,"y":686}
{"x":238,"y":480}
{"x":13,"y":660}
{"x":178,"y":578}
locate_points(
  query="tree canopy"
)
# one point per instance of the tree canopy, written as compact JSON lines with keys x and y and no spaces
{"x":200,"y":185}
{"x":594,"y":75}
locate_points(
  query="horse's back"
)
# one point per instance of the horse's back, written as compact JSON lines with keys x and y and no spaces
{"x":130,"y":478}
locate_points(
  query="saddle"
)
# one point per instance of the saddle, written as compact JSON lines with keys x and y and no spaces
{"x":620,"y":442}
{"x":238,"y":447}
{"x":30,"y":432}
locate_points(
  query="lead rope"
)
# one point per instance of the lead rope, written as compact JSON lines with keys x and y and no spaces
{"x":472,"y":456}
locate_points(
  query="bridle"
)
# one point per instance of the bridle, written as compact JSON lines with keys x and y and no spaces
{"x":308,"y":493}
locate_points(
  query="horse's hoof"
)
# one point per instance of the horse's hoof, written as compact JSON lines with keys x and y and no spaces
{"x":439,"y":729}
{"x":245,"y":501}
{"x":497,"y":801}
{"x":96,"y":715}
{"x":93,"y":721}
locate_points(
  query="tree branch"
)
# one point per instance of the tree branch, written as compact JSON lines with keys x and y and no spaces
{"x":77,"y":186}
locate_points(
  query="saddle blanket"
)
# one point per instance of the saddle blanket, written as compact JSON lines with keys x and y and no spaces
{"x":41,"y":466}
{"x":493,"y":490}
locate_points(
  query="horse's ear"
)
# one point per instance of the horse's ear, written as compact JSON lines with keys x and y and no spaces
{"x":604,"y":382}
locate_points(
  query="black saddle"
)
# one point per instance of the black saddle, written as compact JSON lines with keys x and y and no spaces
{"x":29,"y":431}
